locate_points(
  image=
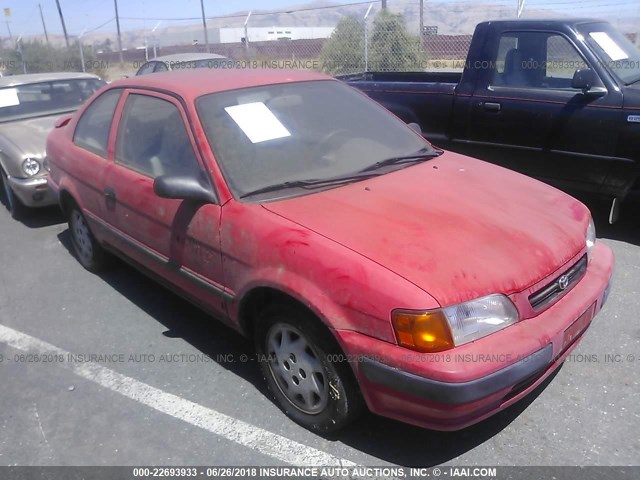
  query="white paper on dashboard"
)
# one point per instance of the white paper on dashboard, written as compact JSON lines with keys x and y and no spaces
{"x":257,"y":122}
{"x":9,"y":97}
{"x":610,"y":47}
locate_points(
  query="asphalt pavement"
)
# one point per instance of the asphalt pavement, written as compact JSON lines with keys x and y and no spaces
{"x":174,"y":387}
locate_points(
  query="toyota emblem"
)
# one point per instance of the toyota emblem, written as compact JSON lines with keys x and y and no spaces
{"x":563,"y":282}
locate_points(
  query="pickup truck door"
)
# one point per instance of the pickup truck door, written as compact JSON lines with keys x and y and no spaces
{"x":89,"y":155}
{"x":545,"y":127}
{"x":175,"y":239}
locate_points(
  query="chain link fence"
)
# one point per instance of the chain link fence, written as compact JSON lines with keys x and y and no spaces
{"x":336,"y":39}
{"x":344,"y":39}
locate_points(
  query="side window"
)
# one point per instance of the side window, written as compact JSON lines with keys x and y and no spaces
{"x":506,"y":44}
{"x":562,"y":62}
{"x":92,"y":132}
{"x":515,"y":63}
{"x":152,"y":139}
{"x":535,"y":60}
{"x":146,"y":68}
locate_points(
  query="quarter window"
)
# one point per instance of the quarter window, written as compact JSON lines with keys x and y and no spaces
{"x":146,"y":68}
{"x":92,"y":132}
{"x":160,"y":67}
{"x":153,"y":140}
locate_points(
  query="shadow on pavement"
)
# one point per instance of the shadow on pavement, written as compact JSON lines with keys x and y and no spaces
{"x":388,"y":440}
{"x":181,"y":318}
{"x":38,"y":217}
{"x":43,"y":217}
{"x":411,"y":446}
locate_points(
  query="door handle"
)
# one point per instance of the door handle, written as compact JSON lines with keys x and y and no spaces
{"x":492,"y":107}
{"x":109,"y":194}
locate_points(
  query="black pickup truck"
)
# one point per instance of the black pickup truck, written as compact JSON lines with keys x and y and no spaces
{"x":555,"y":99}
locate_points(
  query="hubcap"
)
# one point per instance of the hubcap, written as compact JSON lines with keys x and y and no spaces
{"x":81,"y":236}
{"x":296,"y":369}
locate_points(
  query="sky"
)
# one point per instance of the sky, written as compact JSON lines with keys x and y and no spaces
{"x":88,"y":15}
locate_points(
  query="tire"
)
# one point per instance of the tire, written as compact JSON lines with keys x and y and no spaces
{"x":300,"y":361}
{"x":88,"y":251}
{"x":12,"y":202}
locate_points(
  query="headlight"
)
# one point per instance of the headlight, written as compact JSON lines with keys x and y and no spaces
{"x":31,"y":167}
{"x":591,"y":238}
{"x":449,"y":327}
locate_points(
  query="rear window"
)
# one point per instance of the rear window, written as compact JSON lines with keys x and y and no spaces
{"x":45,"y":98}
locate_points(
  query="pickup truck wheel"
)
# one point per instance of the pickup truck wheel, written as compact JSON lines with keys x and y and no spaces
{"x":307,"y":375}
{"x":88,"y":251}
{"x":13,"y":203}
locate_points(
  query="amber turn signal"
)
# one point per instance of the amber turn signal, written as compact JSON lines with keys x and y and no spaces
{"x":422,"y":331}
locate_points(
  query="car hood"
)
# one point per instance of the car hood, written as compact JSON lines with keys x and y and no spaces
{"x":457,"y":227}
{"x":25,"y":138}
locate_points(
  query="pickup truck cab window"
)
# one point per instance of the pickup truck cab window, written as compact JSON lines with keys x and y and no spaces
{"x":152,"y":138}
{"x":92,"y":132}
{"x":536,"y":60}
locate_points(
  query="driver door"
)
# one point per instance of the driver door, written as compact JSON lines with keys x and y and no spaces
{"x":176,"y":239}
{"x":545,"y":127}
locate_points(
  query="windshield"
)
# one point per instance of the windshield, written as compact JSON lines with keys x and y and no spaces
{"x":614,"y":50}
{"x":293,"y":132}
{"x":19,"y":102}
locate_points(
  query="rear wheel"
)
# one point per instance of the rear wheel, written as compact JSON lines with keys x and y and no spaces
{"x":13,"y":203}
{"x":88,"y":251}
{"x":305,"y":371}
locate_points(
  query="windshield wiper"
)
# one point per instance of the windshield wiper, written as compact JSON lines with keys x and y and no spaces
{"x":413,"y":158}
{"x":310,"y":183}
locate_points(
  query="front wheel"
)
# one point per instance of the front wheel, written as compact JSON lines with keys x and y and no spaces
{"x":13,"y":203}
{"x":306,"y":374}
{"x":88,"y":251}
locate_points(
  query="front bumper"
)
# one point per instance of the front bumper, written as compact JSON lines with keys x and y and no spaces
{"x":453,"y":389}
{"x":33,"y":192}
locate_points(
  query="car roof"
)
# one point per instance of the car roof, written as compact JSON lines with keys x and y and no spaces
{"x":186,"y":57}
{"x":12,"y":80}
{"x":196,"y":82}
{"x":555,"y":23}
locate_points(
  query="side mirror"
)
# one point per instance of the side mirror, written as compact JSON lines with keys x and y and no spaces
{"x":63,"y":121}
{"x":584,"y":79}
{"x":415,"y":127}
{"x":183,"y":188}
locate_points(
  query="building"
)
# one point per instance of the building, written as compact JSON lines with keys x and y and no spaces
{"x":265,"y":34}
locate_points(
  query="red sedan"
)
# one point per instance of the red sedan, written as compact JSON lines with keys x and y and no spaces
{"x":369,"y":267}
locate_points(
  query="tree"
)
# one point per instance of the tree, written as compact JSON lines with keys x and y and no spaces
{"x":39,"y":57}
{"x":392,"y":47}
{"x":344,"y":51}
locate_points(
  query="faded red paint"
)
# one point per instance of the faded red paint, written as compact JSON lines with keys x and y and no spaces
{"x":429,"y":235}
